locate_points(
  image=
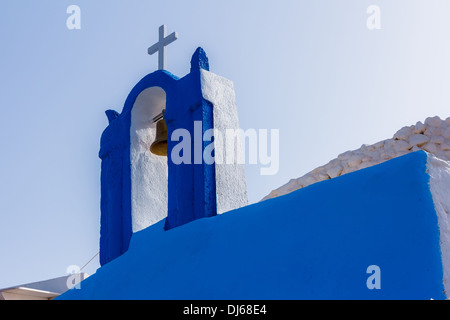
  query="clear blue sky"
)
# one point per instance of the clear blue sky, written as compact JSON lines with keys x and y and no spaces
{"x":309,"y":68}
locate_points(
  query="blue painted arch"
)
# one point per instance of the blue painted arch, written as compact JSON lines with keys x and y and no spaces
{"x":191,"y":187}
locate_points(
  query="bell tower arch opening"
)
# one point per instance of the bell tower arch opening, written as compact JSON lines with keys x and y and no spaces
{"x":149,"y":172}
{"x":135,"y":182}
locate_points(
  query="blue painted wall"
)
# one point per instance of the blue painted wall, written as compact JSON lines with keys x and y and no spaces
{"x":191,"y":187}
{"x":314,"y":243}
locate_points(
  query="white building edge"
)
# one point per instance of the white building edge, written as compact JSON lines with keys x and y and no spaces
{"x":42,"y":290}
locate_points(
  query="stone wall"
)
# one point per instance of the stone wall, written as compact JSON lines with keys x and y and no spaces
{"x":432,"y":136}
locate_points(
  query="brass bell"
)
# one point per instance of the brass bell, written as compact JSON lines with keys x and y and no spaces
{"x":159,"y":146}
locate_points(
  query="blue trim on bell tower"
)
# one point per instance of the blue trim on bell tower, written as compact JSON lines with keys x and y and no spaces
{"x":191,"y":186}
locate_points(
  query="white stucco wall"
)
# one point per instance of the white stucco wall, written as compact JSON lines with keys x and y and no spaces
{"x":231,"y":186}
{"x":149,"y":172}
{"x":439,"y":171}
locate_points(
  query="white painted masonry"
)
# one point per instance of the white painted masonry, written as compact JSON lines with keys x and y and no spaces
{"x":439,"y":171}
{"x":149,"y":172}
{"x":231,"y":186}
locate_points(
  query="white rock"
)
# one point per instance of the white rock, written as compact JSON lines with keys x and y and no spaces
{"x":366,"y":157}
{"x":387,"y":155}
{"x":345,"y":156}
{"x":370,"y":148}
{"x":293,"y":182}
{"x":354,"y":161}
{"x":367,"y":164}
{"x":290,"y":187}
{"x":433,"y":122}
{"x":431,"y":148}
{"x":403,"y":134}
{"x":419,"y":128}
{"x":433,"y":137}
{"x":307,"y":180}
{"x":348,"y":170}
{"x":446,"y":133}
{"x":437,"y":139}
{"x":375,"y":155}
{"x":317,"y":170}
{"x":401,"y":145}
{"x":272,"y":194}
{"x":378,"y":145}
{"x":433,"y":131}
{"x":322,"y":176}
{"x":364,"y":147}
{"x":418,"y":140}
{"x":400,"y":153}
{"x":389,"y":143}
{"x":332,"y":163}
{"x":335,"y":171}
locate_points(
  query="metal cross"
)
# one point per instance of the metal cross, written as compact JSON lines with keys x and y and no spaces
{"x":160,"y":46}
